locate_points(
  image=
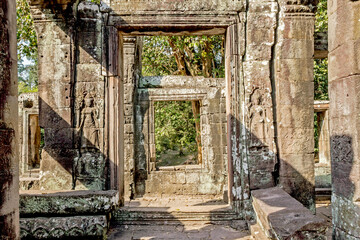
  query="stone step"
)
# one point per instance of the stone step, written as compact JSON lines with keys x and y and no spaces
{"x":257,"y":233}
{"x":323,"y":195}
{"x":126,"y":216}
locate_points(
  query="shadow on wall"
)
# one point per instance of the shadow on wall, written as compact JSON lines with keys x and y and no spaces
{"x":345,"y":206}
{"x":75,"y":150}
{"x":265,"y":168}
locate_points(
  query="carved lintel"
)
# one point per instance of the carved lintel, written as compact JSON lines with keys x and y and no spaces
{"x":300,"y":6}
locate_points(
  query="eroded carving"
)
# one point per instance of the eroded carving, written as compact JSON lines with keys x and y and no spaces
{"x":87,"y":123}
{"x":63,"y":227}
{"x":258,"y":119}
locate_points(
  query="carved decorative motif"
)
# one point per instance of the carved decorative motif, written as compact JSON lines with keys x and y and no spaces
{"x":62,"y":227}
{"x":138,"y":6}
{"x":300,"y":6}
{"x":258,"y":118}
{"x":87,"y":122}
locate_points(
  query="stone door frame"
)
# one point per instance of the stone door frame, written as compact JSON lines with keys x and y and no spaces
{"x":227,"y":24}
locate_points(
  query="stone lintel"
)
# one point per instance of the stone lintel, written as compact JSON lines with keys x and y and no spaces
{"x":82,"y":227}
{"x":180,"y":82}
{"x":283,"y":217}
{"x":45,"y":203}
{"x":321,"y":106}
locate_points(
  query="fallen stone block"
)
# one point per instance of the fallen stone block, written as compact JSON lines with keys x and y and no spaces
{"x":282,"y":217}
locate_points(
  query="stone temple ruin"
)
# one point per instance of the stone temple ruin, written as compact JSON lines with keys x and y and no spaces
{"x":84,"y":147}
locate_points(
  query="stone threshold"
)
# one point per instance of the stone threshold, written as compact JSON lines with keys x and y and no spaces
{"x":180,"y":168}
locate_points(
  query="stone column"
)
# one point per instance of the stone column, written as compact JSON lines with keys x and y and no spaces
{"x":55,"y":69}
{"x":295,"y":99}
{"x":130,"y":48}
{"x":344,"y":85}
{"x":9,"y":166}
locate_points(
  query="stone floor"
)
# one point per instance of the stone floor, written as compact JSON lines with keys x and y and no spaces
{"x":188,"y":229}
{"x":178,"y":203}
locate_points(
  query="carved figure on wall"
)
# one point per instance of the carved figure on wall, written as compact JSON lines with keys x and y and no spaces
{"x":87,"y":122}
{"x":257,"y":118}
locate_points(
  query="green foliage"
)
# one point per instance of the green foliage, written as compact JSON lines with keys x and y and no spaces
{"x":26,"y":35}
{"x":321,"y":17}
{"x":157,"y":57}
{"x":321,"y":79}
{"x":27,"y":49}
{"x":174,"y":127}
{"x":98,"y":2}
{"x":201,"y":56}
{"x":27,"y":77}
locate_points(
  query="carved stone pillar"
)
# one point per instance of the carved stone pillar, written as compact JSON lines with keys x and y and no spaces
{"x":294,"y":99}
{"x":55,"y":68}
{"x":89,"y":99}
{"x":344,"y":85}
{"x":129,"y":100}
{"x":9,"y":166}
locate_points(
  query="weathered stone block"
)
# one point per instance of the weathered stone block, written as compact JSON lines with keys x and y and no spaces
{"x":346,"y":216}
{"x":297,"y":49}
{"x":282,"y":217}
{"x":46,"y":203}
{"x":295,"y":93}
{"x":346,"y":53}
{"x":296,"y":117}
{"x":192,"y":177}
{"x":55,"y":33}
{"x":262,"y":7}
{"x":59,"y":138}
{"x":291,"y":28}
{"x":54,"y":96}
{"x":54,"y":117}
{"x":90,"y":47}
{"x":89,"y":227}
{"x":120,"y":6}
{"x":295,"y":70}
{"x":51,"y":73}
{"x":89,"y":73}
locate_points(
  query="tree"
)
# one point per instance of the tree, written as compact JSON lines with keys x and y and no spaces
{"x":321,"y":65}
{"x":27,"y":48}
{"x":184,"y":55}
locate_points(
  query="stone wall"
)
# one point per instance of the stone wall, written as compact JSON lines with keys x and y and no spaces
{"x":86,"y":59}
{"x":76,"y":86}
{"x":344,"y":76}
{"x":9,"y":165}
